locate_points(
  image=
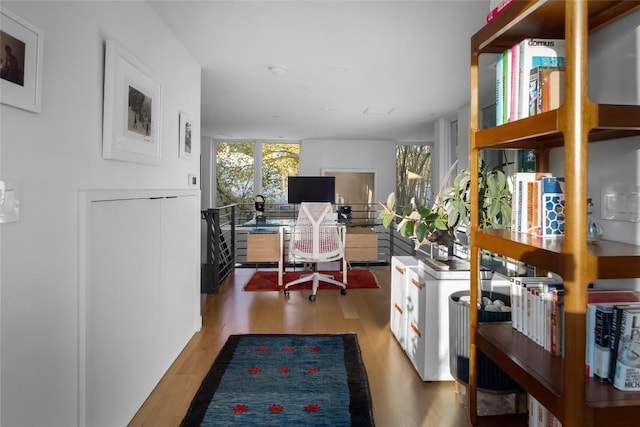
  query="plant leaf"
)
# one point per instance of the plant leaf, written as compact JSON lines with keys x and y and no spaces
{"x":386,"y":218}
{"x":391,"y":201}
{"x":421,"y":232}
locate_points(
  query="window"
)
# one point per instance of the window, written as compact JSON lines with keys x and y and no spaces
{"x":413,"y":174}
{"x":234,"y":173}
{"x":279,"y":160}
{"x":239,"y":177}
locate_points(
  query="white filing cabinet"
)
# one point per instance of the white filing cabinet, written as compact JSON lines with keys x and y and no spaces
{"x":419,"y":312}
{"x":397,"y":320}
{"x":427,"y":316}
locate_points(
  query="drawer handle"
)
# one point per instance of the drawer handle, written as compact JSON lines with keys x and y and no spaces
{"x":415,"y":329}
{"x":398,"y":308}
{"x":400,"y":269}
{"x":417,"y":284}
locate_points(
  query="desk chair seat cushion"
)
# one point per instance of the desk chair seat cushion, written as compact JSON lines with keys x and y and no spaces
{"x":302,"y":247}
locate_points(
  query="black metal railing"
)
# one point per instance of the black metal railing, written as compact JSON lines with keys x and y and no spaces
{"x":220,"y":247}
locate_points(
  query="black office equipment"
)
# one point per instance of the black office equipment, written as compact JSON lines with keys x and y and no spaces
{"x":311,"y":189}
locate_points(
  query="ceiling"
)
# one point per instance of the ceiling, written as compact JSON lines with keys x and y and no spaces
{"x":366,"y":70}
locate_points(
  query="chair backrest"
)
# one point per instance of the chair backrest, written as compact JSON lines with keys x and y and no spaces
{"x":316,"y":234}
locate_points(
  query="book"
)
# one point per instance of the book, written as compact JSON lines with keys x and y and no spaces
{"x":518,"y":293}
{"x":506,"y":77}
{"x":627,"y":370}
{"x":514,"y":52}
{"x":616,"y":317}
{"x":520,"y":197}
{"x":497,"y":7}
{"x":534,"y":53}
{"x":499,"y":89}
{"x":557,"y":321}
{"x":602,"y":337}
{"x":534,"y":213}
{"x":546,"y":89}
{"x":597,"y":297}
{"x":552,"y":207}
{"x":553,"y":82}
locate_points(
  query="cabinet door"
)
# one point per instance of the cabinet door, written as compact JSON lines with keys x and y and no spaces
{"x":179,"y":287}
{"x":121,"y":308}
{"x":415,"y":315}
{"x":397,"y":319}
{"x":428,"y":323}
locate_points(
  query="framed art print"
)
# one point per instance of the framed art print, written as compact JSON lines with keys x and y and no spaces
{"x":20,"y":62}
{"x":132,"y":108}
{"x":186,"y":126}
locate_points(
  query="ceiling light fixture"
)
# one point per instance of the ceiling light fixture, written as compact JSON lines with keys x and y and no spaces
{"x":377,"y":111}
{"x":278,"y":70}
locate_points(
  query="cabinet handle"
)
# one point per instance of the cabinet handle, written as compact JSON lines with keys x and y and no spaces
{"x":417,"y":284}
{"x":400,"y":269}
{"x":416,"y":330}
{"x":398,"y":308}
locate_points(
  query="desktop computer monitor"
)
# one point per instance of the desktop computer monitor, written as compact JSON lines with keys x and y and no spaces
{"x":311,"y":189}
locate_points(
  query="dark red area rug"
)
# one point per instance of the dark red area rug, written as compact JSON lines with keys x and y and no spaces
{"x":268,"y":280}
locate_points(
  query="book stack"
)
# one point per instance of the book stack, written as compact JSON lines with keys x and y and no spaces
{"x":537,"y":204}
{"x":529,"y":78}
{"x":613,"y":339}
{"x":536,"y":310}
{"x":612,"y":351}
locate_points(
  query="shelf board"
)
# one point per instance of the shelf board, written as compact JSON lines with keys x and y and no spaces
{"x":536,"y":370}
{"x":613,"y":260}
{"x":543,"y":130}
{"x":541,"y":374}
{"x":541,"y":19}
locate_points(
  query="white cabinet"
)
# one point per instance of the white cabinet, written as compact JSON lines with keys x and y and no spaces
{"x":419,"y":312}
{"x":427,"y":316}
{"x":139,"y":295}
{"x":397,"y":320}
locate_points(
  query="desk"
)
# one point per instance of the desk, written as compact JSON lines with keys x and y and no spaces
{"x":266,"y":242}
{"x":361,"y":244}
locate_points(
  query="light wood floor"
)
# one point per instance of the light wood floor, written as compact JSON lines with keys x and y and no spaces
{"x":400,"y":397}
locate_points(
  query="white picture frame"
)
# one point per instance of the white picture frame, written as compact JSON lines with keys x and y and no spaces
{"x":185,"y":135}
{"x":20,"y":62}
{"x":132,"y":109}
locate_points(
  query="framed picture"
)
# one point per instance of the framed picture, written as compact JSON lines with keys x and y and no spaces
{"x":20,"y":62}
{"x":184,"y":134}
{"x":132,"y":109}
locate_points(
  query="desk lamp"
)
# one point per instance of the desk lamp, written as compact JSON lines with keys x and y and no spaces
{"x":259,"y":205}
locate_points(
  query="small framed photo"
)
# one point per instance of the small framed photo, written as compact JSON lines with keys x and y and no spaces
{"x":184,"y":135}
{"x":132,"y":108}
{"x":20,"y":62}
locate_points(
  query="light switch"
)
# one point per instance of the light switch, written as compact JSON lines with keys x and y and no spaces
{"x":9,"y":204}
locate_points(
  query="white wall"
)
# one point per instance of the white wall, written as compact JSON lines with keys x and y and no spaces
{"x":614,"y":77}
{"x":53,"y":155}
{"x":352,"y":155}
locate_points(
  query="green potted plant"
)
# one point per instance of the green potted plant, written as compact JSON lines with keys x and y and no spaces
{"x":451,"y":209}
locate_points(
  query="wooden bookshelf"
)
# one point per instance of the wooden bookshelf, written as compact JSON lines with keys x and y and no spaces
{"x":558,"y":383}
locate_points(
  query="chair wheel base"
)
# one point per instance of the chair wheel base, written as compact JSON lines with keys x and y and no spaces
{"x":286,"y":292}
{"x":312,"y":298}
{"x":343,"y":291}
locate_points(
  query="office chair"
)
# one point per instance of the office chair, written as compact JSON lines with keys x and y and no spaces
{"x":316,"y":238}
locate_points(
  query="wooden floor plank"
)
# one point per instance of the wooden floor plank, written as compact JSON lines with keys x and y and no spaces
{"x":400,"y":397}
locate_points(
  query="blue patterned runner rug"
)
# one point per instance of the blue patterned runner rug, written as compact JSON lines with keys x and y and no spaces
{"x":284,"y":380}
